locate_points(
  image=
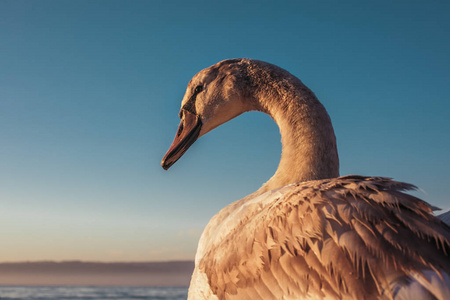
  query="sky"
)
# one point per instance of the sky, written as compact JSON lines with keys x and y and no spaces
{"x":90,"y":93}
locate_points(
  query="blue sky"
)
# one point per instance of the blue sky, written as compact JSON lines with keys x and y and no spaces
{"x":89,"y":100}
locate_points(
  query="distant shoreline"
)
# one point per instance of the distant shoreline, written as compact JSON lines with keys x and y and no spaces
{"x":81,"y":273}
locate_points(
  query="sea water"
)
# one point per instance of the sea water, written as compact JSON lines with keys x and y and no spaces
{"x":92,"y":293}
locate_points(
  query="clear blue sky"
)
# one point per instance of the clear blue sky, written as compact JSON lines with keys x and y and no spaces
{"x":89,"y":100}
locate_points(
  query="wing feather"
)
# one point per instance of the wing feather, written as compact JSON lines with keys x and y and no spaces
{"x":351,"y":237}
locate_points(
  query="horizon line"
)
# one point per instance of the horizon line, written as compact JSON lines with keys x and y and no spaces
{"x":96,"y":261}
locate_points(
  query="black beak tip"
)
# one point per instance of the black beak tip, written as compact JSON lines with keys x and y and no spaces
{"x":165,"y":165}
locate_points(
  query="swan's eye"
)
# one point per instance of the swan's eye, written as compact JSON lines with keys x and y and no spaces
{"x":198,"y":89}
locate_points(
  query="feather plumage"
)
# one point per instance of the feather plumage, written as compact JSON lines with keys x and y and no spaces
{"x":346,"y":237}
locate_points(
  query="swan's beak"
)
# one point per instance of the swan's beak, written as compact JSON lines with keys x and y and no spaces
{"x":187,"y":134}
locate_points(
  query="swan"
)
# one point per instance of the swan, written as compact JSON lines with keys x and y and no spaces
{"x":306,"y":233}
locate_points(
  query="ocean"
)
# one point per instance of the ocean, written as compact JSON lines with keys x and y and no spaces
{"x":91,"y":293}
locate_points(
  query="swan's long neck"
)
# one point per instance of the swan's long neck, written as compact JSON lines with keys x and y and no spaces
{"x":309,"y":149}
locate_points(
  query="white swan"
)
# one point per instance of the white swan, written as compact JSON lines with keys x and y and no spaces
{"x":306,"y":234}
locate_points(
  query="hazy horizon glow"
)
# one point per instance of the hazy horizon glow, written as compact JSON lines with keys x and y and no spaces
{"x":89,"y":100}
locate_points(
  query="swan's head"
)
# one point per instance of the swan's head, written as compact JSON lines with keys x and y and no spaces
{"x":214,"y":96}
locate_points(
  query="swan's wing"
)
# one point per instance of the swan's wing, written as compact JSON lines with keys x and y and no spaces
{"x":352,"y":237}
{"x":445,"y":217}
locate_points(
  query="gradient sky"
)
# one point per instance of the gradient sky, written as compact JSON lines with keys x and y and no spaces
{"x":89,"y":100}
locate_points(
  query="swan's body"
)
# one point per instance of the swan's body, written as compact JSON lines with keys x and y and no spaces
{"x":306,"y":233}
